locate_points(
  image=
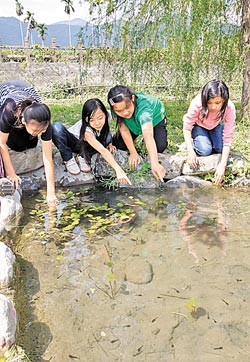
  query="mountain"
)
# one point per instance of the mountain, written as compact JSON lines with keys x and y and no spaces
{"x":10,"y":33}
{"x":77,"y":21}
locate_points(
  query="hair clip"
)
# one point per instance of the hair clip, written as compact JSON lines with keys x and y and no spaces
{"x":111,"y":100}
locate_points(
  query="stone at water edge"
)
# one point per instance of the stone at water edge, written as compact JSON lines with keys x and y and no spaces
{"x":7,"y":259}
{"x":205,"y":164}
{"x":7,"y":324}
{"x":187,"y":181}
{"x":10,"y":212}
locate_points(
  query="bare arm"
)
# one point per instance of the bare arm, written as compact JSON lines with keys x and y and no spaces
{"x":134,"y":158}
{"x":220,"y":171}
{"x":107,"y":155}
{"x":49,"y":172}
{"x":192,"y":157}
{"x":8,"y":166}
{"x":148,"y":134}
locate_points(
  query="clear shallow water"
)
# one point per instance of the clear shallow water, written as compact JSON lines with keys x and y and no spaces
{"x":75,"y":303}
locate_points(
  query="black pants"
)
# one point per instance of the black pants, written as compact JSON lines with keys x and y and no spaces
{"x":160,"y":137}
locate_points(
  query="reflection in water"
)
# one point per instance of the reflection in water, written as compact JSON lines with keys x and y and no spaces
{"x":75,"y":302}
{"x":204,"y":224}
{"x":34,"y":334}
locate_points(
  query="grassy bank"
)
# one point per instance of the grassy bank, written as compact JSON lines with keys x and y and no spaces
{"x":71,"y":112}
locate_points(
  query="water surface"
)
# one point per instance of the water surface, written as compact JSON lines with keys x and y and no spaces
{"x":76,"y":304}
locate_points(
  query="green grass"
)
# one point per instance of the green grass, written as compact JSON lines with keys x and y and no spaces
{"x":71,"y":112}
{"x":67,"y":114}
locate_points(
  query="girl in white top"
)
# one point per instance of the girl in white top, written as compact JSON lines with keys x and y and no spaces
{"x":93,"y":137}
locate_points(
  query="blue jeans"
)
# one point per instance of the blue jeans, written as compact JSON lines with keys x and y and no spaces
{"x":207,"y":141}
{"x":65,"y":141}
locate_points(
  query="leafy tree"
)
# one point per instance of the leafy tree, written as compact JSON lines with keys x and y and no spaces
{"x":68,"y":8}
{"x":19,"y":12}
{"x":41,"y":29}
{"x":179,"y":43}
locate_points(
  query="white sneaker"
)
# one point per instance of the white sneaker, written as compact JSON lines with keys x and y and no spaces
{"x":84,"y":167}
{"x":72,"y":167}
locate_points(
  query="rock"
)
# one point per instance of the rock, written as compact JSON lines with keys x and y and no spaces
{"x":7,"y":324}
{"x":238,"y":164}
{"x":138,"y":271}
{"x":11,"y":209}
{"x":101,"y":168}
{"x":173,"y":164}
{"x":205,"y":165}
{"x":7,"y":259}
{"x":188,"y":181}
{"x":37,"y":179}
{"x":64,"y":178}
{"x":28,"y":160}
{"x":29,"y":184}
{"x":241,"y":182}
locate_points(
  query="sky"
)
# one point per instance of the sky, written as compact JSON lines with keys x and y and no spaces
{"x":45,"y":11}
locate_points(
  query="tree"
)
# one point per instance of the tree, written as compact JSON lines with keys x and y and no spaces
{"x":178,"y":44}
{"x":245,"y":36}
{"x":31,"y":23}
{"x":41,"y":29}
{"x":19,"y":12}
{"x":68,"y":8}
{"x":193,"y":39}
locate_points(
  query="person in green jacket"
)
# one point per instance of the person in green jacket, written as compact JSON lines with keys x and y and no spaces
{"x":138,"y":113}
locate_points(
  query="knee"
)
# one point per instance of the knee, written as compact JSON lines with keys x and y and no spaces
{"x":57,"y":128}
{"x":161,"y":148}
{"x":202,"y":146}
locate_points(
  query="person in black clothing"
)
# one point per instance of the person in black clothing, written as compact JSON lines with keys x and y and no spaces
{"x":22,"y":119}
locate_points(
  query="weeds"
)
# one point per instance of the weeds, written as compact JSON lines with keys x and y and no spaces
{"x":15,"y":354}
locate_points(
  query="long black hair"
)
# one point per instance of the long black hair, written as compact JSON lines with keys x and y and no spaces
{"x":88,"y":110}
{"x":118,"y":94}
{"x":214,"y":88}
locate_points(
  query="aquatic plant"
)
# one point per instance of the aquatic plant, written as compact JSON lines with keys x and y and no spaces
{"x":97,"y":218}
{"x":191,"y":304}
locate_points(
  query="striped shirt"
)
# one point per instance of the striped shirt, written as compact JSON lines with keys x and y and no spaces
{"x":18,"y":91}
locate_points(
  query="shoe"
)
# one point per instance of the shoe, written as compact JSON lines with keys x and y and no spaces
{"x":72,"y":167}
{"x":84,"y":167}
{"x":6,"y":187}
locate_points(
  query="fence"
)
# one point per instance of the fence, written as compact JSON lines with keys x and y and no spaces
{"x":65,"y":71}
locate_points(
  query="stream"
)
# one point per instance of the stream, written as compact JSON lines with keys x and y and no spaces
{"x":148,"y":275}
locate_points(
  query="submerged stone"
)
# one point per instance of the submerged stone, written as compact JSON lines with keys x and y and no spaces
{"x":138,"y":271}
